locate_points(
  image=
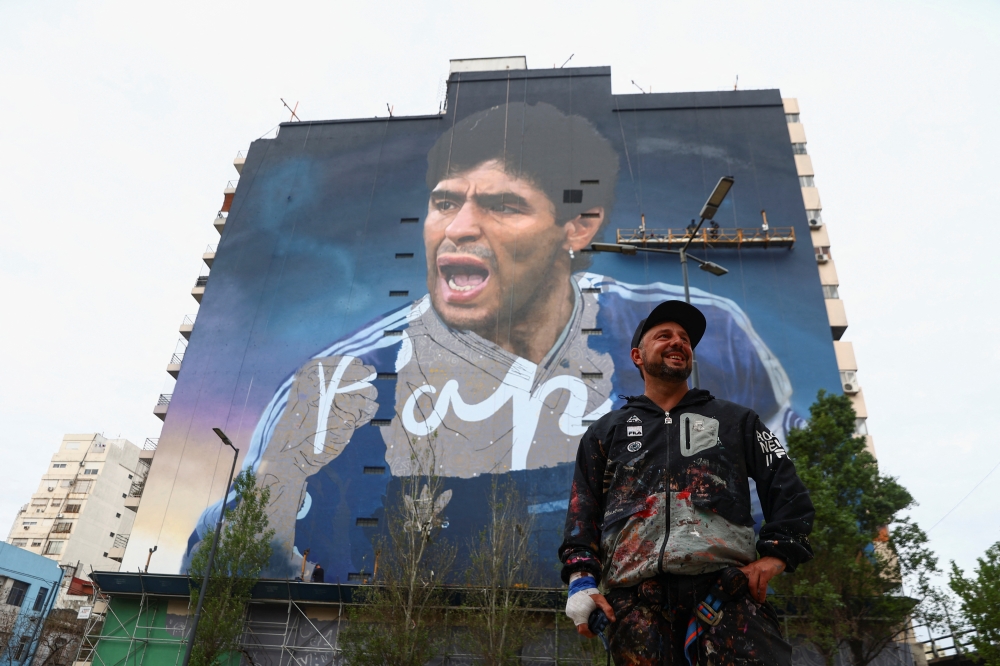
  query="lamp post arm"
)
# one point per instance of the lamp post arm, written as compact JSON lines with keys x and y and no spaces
{"x":693,"y":234}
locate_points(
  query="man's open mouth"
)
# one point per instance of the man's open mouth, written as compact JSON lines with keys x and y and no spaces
{"x":463,"y":276}
{"x":676,"y":356}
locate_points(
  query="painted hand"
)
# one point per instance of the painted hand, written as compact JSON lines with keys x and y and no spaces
{"x":760,"y":573}
{"x":328,"y":400}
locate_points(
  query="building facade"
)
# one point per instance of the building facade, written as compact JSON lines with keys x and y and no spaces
{"x":341,"y":348}
{"x":82,"y":512}
{"x":29,"y":584}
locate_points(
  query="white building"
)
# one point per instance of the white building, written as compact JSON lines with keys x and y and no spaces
{"x":82,"y":512}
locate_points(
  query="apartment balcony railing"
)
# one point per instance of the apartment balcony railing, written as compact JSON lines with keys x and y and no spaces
{"x":136,"y":489}
{"x":164,"y":399}
{"x":208,"y":256}
{"x":187,"y":325}
{"x":150,"y":444}
{"x":121,"y":540}
{"x":201,"y":281}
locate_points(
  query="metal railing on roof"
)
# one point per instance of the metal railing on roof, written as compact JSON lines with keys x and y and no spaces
{"x":164,"y":399}
{"x":150,"y":443}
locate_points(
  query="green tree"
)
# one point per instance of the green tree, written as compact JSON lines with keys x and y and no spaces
{"x":851,"y":595}
{"x":501,"y":570}
{"x":243,"y":552}
{"x":979,"y":601}
{"x":395,"y":622}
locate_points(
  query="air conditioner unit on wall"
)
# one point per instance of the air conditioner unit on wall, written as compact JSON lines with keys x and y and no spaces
{"x":850,"y":387}
{"x":815,"y":224}
{"x":822,"y":257}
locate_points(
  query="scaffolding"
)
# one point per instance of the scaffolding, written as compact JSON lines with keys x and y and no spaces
{"x":709,"y":237}
{"x":144,"y":620}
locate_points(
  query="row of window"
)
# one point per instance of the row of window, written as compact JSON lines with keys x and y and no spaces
{"x":19,"y":590}
{"x":51,"y":548}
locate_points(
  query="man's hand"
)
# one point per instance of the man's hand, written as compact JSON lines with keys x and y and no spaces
{"x":759,"y":574}
{"x":603,"y":604}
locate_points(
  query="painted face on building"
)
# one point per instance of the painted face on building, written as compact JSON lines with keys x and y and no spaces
{"x":494,"y":249}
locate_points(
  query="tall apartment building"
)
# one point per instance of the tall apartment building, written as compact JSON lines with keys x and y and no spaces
{"x":819,"y":233}
{"x":82,"y":512}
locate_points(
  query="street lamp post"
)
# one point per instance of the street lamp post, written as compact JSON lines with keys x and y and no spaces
{"x":708,"y":211}
{"x":215,"y":545}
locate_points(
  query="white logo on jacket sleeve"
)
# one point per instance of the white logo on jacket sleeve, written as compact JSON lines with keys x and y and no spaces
{"x":770,"y":446}
{"x":634,"y":431}
{"x":634,"y":419}
{"x":634,"y":446}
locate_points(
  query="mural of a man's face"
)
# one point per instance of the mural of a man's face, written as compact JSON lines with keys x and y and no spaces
{"x":493,"y":246}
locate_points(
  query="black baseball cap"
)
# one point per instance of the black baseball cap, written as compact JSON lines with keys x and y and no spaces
{"x":680,"y":312}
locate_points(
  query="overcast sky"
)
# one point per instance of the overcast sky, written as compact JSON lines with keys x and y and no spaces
{"x":119,"y":122}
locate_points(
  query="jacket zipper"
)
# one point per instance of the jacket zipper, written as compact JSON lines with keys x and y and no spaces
{"x":668,"y":424}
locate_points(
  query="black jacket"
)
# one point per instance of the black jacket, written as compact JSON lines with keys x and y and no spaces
{"x":707,"y":448}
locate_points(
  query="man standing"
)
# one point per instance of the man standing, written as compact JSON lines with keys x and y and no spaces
{"x":659,"y":515}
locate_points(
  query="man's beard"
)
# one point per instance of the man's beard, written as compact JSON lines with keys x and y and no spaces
{"x":663,"y":371}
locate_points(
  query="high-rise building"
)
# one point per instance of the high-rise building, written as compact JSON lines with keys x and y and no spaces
{"x":84,"y":507}
{"x":341,"y":345}
{"x":820,"y":236}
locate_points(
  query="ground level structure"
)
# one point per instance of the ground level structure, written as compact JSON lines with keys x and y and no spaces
{"x":144,"y":620}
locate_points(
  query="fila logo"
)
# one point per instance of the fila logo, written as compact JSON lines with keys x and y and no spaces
{"x":634,"y":431}
{"x":634,"y":419}
{"x":634,"y":446}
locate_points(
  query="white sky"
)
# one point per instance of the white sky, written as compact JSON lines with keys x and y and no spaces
{"x":119,"y":122}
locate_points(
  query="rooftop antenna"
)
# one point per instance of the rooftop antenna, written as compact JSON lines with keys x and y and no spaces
{"x":735,"y":85}
{"x":639,"y":87}
{"x":390,"y":108}
{"x":294,"y":116}
{"x":567,"y":60}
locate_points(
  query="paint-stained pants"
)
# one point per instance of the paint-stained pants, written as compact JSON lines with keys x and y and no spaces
{"x":652,"y":621}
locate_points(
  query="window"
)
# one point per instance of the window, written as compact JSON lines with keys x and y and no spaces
{"x":58,"y":465}
{"x":399,"y":292}
{"x":366,"y":522}
{"x":36,"y":543}
{"x":591,"y":290}
{"x":572,"y":196}
{"x":56,"y":502}
{"x":590,"y":182}
{"x":830,"y":291}
{"x":54,"y":548}
{"x":62,"y":528}
{"x":40,"y":599}
{"x":118,"y":515}
{"x":381,"y":422}
{"x":799,"y":149}
{"x":387,"y":375}
{"x":20,"y":543}
{"x":72,"y":446}
{"x":392,"y":334}
{"x":807,"y":181}
{"x":374,"y":470}
{"x":39,"y":502}
{"x":71,"y":508}
{"x":792,"y":117}
{"x":29,"y":523}
{"x":15,"y":597}
{"x":66,"y":483}
{"x":357,"y":578}
{"x":591,"y":331}
{"x":82,"y":487}
{"x":20,"y":647}
{"x":409,"y":220}
{"x":404,"y":255}
{"x":592,"y":375}
{"x":89,"y":472}
{"x":861,"y":427}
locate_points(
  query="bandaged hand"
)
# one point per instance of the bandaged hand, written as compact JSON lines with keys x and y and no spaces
{"x":583,"y":600}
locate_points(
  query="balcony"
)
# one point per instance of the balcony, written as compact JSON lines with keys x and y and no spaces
{"x":174,"y":367}
{"x":220,"y":222}
{"x":239,"y":161}
{"x":208,"y":256}
{"x":117,"y":551}
{"x":161,"y":406}
{"x":135,"y":495}
{"x":228,"y":194}
{"x":187,"y":325}
{"x":199,"y":287}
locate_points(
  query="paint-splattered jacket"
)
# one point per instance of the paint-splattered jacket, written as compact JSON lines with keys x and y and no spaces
{"x":668,"y":493}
